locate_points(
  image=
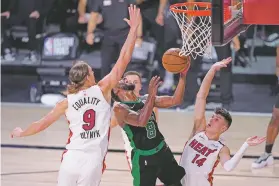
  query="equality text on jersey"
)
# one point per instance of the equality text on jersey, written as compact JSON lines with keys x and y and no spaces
{"x":84,"y":101}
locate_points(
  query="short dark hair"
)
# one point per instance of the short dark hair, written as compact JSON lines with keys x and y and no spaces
{"x":223,"y":112}
{"x":129,"y":73}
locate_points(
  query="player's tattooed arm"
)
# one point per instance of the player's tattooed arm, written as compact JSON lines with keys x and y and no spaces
{"x":177,"y":98}
{"x":199,"y":112}
{"x":125,"y":115}
{"x":112,"y":79}
{"x":113,"y":121}
{"x":43,"y":123}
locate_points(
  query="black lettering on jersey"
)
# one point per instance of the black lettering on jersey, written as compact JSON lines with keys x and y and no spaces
{"x":200,"y":148}
{"x":84,"y":101}
{"x":90,"y":134}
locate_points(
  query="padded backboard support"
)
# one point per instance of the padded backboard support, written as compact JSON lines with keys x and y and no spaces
{"x":261,"y":12}
{"x":251,"y":12}
{"x":224,"y":33}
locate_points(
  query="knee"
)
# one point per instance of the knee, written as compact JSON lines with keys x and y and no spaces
{"x":275,"y":117}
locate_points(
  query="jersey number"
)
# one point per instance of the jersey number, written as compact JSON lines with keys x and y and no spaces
{"x":200,"y":161}
{"x":88,"y":119}
{"x":151,"y":130}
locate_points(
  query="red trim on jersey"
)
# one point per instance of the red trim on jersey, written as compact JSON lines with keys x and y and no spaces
{"x":127,"y":157}
{"x":210,"y":175}
{"x":104,"y":160}
{"x":183,"y":151}
{"x":69,"y":138}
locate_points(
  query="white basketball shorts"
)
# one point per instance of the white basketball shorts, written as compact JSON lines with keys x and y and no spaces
{"x":80,"y":168}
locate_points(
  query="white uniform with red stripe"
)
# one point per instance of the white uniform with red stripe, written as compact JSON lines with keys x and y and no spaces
{"x":89,"y":117}
{"x":199,"y":159}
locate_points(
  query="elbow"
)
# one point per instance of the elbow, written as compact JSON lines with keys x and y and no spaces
{"x":178,"y":101}
{"x":228,"y":167}
{"x":228,"y":170}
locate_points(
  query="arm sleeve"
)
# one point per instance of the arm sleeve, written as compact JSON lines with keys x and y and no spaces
{"x":232,"y":163}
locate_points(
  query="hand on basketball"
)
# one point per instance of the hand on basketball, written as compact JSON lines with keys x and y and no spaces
{"x":221,"y":64}
{"x":184,"y":72}
{"x":255,"y":140}
{"x":135,"y":17}
{"x":16,"y":132}
{"x":153,"y":85}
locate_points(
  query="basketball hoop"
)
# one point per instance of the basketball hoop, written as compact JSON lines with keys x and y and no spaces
{"x":194,"y":20}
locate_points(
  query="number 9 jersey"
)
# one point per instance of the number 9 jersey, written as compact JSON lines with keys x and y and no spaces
{"x":89,"y":117}
{"x":199,"y":159}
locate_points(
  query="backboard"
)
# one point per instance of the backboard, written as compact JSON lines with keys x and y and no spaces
{"x":216,"y":22}
{"x":231,"y":17}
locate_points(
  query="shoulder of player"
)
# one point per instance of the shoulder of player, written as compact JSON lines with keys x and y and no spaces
{"x":62,"y":103}
{"x":61,"y":106}
{"x":104,"y":84}
{"x":224,"y":149}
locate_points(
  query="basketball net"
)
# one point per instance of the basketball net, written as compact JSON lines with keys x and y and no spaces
{"x":195,"y":30}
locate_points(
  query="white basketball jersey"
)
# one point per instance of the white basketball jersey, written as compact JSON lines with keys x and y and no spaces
{"x":89,"y":116}
{"x":199,"y":159}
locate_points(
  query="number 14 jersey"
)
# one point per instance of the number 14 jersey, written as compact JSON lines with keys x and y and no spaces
{"x":199,"y":159}
{"x":89,"y":117}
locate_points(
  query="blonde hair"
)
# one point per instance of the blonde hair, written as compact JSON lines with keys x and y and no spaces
{"x":77,"y":76}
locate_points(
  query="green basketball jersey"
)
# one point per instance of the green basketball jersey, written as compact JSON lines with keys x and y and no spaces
{"x":144,"y":138}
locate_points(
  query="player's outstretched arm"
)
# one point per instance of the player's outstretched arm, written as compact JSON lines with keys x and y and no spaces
{"x":177,"y":98}
{"x":113,"y":120}
{"x":199,"y":112}
{"x":43,"y":123}
{"x":124,"y":115}
{"x":229,"y":163}
{"x":111,"y":80}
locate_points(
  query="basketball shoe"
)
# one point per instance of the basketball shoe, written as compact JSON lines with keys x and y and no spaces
{"x":264,"y":160}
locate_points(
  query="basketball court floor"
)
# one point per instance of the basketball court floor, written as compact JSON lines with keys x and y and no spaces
{"x":35,"y":160}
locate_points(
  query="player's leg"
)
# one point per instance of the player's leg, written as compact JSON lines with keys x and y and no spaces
{"x":272,"y":131}
{"x":69,"y":170}
{"x":143,"y":171}
{"x":170,"y":172}
{"x":91,"y":168}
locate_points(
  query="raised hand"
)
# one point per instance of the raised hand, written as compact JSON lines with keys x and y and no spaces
{"x":221,"y":64}
{"x":153,"y":85}
{"x":135,"y":18}
{"x":255,"y":140}
{"x":16,"y":132}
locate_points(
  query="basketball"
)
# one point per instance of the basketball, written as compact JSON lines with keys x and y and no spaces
{"x":173,"y":62}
